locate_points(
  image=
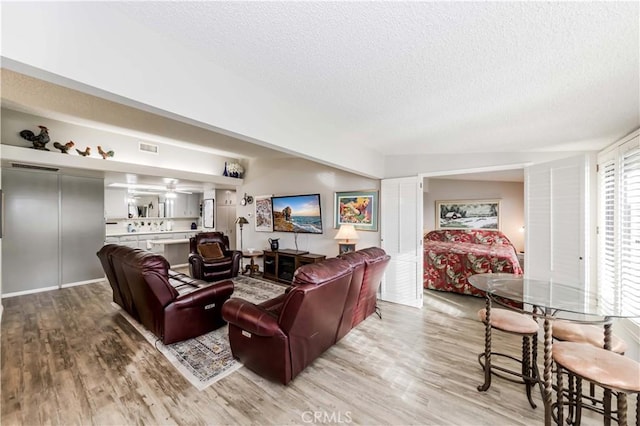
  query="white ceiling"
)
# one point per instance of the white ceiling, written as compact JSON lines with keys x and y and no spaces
{"x":393,"y":78}
{"x":430,"y":77}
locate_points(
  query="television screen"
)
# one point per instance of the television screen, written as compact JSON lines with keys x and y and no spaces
{"x":297,"y":213}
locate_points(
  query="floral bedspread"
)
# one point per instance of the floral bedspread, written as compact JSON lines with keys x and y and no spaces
{"x":451,"y":256}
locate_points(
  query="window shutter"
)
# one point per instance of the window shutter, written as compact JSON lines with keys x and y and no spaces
{"x":619,"y":227}
{"x":607,"y":235}
{"x":630,"y":230}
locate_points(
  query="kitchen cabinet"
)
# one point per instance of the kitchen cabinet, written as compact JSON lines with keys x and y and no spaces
{"x":225,"y":197}
{"x":226,"y":223}
{"x":115,"y":203}
{"x":184,"y":205}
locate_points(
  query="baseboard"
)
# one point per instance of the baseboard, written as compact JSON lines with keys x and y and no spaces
{"x":43,"y":289}
{"x":22,"y":293}
{"x":97,"y":280}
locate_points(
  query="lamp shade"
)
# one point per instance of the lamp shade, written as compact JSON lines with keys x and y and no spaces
{"x":242,"y":220}
{"x":346,"y":232}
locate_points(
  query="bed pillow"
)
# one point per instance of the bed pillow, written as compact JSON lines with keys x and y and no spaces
{"x":210,"y":251}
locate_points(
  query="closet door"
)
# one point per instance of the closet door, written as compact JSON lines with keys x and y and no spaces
{"x":401,"y":235}
{"x":559,"y":217}
{"x":82,"y":228}
{"x":30,"y":249}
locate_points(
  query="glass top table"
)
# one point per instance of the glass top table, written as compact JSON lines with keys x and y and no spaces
{"x":547,"y":294}
{"x":550,"y":299}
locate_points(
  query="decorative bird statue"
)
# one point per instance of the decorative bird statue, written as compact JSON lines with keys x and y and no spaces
{"x":39,"y":141}
{"x":64,"y":148}
{"x":106,"y":154}
{"x":86,"y":152}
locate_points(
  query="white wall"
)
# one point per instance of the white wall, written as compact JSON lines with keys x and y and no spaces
{"x":291,"y":176}
{"x":510,"y":194}
{"x":125,"y":147}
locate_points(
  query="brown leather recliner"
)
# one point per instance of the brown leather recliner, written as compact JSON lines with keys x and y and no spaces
{"x":280,"y":337}
{"x":202,"y":268}
{"x":141,"y":286}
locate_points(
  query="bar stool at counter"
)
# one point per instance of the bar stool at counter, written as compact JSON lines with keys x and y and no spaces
{"x":605,"y":368}
{"x":511,"y":322}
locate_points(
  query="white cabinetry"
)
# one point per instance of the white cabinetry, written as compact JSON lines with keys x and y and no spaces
{"x":225,"y":197}
{"x":186,"y":205}
{"x":226,"y":223}
{"x":115,"y":203}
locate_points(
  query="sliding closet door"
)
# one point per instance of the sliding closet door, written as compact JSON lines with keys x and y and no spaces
{"x":82,"y":225}
{"x":30,"y":242}
{"x":401,"y":235}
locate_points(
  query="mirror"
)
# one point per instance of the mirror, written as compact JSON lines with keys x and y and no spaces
{"x":144,"y":206}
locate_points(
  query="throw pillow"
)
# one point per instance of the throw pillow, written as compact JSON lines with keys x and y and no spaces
{"x":210,"y":251}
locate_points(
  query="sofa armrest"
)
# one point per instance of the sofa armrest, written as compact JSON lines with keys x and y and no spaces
{"x":205,"y":296}
{"x":250,"y":317}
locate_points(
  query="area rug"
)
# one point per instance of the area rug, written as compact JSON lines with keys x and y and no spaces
{"x":206,"y":359}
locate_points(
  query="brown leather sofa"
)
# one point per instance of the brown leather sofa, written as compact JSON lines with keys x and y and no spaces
{"x":278,"y":338}
{"x":171,"y":305}
{"x":223,"y":268}
{"x":375,"y":262}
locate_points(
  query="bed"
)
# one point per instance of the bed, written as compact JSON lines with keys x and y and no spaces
{"x":451,"y":256}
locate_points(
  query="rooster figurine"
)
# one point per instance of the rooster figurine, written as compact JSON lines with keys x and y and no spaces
{"x":86,"y":152}
{"x":64,"y":148}
{"x":39,"y":141}
{"x":104,"y":154}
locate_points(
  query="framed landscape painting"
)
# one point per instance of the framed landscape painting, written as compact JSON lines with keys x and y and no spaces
{"x":358,"y":208}
{"x":468,"y":214}
{"x":264,"y":219}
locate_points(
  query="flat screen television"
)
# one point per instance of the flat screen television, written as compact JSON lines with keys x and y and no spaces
{"x":297,"y":213}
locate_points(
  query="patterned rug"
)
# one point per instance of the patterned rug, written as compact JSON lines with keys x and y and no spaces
{"x":206,"y":359}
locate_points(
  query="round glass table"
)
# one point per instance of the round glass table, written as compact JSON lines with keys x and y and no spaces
{"x":549,"y":300}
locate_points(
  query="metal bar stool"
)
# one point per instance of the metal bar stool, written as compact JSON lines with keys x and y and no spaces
{"x":519,"y":324}
{"x":614,"y":372}
{"x":568,"y":331}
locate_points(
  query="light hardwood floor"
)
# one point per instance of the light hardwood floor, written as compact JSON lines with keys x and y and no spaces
{"x":68,"y":357}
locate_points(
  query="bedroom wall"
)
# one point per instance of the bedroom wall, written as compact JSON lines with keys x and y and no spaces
{"x":510,"y":194}
{"x":294,"y":176}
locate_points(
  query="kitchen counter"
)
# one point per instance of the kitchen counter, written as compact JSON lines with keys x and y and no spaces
{"x":163,"y":242}
{"x":175,"y":231}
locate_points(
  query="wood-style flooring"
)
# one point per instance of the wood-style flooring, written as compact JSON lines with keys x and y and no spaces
{"x":69,"y":358}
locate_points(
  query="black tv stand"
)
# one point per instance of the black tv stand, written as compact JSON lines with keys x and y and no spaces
{"x":293,"y":252}
{"x":280,"y":265}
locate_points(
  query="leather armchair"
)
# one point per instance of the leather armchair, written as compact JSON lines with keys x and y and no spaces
{"x":209,"y":269}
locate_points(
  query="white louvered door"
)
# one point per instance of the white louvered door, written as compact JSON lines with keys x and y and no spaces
{"x":401,"y":234}
{"x":558,"y":219}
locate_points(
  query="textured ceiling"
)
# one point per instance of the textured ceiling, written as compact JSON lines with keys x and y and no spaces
{"x":429,"y":77}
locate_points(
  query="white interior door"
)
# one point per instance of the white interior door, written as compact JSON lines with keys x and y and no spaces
{"x":401,"y":235}
{"x":558,"y":220}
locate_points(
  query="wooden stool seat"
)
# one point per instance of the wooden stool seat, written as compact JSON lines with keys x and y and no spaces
{"x":510,"y":321}
{"x":603,"y":367}
{"x":568,"y":331}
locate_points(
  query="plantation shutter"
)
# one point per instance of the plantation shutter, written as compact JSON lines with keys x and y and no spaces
{"x":608,"y":265}
{"x":630,"y":230}
{"x":619,"y":227}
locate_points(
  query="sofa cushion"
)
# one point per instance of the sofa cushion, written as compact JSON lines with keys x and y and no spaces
{"x":210,"y":251}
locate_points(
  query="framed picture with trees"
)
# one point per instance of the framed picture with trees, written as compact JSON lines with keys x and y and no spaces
{"x":468,"y":214}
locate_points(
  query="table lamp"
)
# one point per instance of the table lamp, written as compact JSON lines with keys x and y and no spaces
{"x":347,"y":233}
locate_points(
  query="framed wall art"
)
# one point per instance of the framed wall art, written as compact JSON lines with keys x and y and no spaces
{"x":264,"y":213}
{"x":468,"y":214}
{"x":207,"y":213}
{"x":358,"y":208}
